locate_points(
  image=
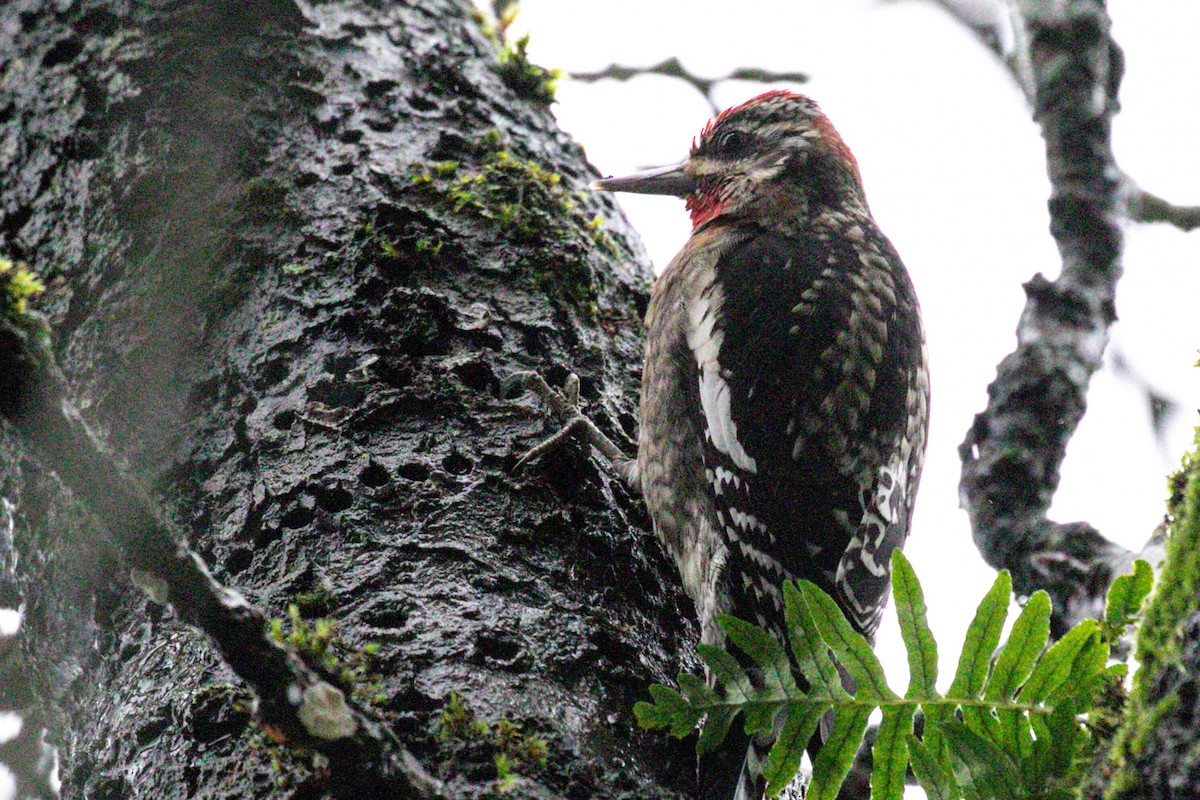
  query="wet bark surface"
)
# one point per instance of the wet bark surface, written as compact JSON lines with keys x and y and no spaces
{"x":292,"y":255}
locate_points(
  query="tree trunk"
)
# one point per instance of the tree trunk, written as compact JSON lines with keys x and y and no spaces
{"x":294,"y":251}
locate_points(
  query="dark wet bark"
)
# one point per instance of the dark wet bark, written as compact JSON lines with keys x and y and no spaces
{"x":293,"y":254}
{"x":296,"y":701}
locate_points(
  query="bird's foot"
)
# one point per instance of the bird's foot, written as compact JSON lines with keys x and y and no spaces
{"x":565,"y":404}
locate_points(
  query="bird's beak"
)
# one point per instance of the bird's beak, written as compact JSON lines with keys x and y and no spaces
{"x":661,"y":180}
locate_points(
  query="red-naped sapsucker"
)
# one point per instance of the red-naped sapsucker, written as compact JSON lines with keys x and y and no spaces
{"x":785,"y":393}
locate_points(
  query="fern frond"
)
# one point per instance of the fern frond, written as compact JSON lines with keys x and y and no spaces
{"x":1008,"y":727}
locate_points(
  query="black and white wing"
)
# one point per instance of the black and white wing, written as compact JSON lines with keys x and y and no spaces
{"x":812,"y":447}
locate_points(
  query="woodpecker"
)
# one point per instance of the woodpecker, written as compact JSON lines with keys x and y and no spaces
{"x":785,"y":391}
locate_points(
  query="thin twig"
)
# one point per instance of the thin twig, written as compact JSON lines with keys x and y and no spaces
{"x":672,"y":68}
{"x":1146,"y":207}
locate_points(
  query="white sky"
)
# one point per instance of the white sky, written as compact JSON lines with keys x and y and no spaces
{"x":955,"y":173}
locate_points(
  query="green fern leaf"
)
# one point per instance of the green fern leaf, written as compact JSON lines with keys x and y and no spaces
{"x":727,"y":671}
{"x":983,"y":770}
{"x":759,"y":717}
{"x":809,"y":650}
{"x":696,"y":691}
{"x":669,"y":710}
{"x":766,"y":651}
{"x":914,"y":628}
{"x":849,"y":647}
{"x":984,"y":721}
{"x":1086,"y":669}
{"x":1007,"y":729}
{"x":837,"y":753}
{"x":783,"y":762}
{"x":1055,"y":664}
{"x":716,"y":726}
{"x":1067,"y":737}
{"x":775,"y":668}
{"x":1125,"y":599}
{"x":889,"y":756}
{"x":1013,"y":732}
{"x":983,"y":635}
{"x":1026,"y":641}
{"x":935,"y":778}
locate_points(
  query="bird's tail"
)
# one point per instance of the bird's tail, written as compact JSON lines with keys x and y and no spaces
{"x":734,"y":770}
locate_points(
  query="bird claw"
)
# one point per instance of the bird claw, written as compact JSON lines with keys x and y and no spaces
{"x":564,"y":401}
{"x":551,"y":443}
{"x":565,"y":404}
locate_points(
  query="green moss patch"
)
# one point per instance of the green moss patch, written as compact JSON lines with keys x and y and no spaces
{"x":525,"y":205}
{"x":523,"y":76}
{"x":516,"y":70}
{"x":513,"y":750}
{"x":1160,"y":646}
{"x":353,"y":669}
{"x":17,"y":287}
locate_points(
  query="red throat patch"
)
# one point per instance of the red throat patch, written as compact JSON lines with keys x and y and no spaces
{"x":703,"y":204}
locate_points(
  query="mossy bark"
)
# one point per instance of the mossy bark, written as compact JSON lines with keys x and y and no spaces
{"x":292,"y":318}
{"x":1156,"y":754}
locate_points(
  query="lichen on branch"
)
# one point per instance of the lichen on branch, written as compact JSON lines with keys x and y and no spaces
{"x":1014,"y":449}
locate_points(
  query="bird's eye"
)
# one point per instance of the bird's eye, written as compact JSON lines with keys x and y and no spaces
{"x":733,"y":143}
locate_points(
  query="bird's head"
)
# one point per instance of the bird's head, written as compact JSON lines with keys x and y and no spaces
{"x":774,"y":157}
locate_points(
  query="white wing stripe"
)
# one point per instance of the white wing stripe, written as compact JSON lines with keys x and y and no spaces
{"x":705,"y":344}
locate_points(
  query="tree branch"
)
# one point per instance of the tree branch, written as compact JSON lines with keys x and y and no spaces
{"x":1146,"y":207}
{"x":672,"y":68}
{"x":365,"y":760}
{"x":998,"y":25}
{"x":1013,"y":451}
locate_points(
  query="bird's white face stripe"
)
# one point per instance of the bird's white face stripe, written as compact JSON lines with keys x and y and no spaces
{"x":705,"y":343}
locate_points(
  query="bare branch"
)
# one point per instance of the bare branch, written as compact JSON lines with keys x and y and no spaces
{"x":672,"y":68}
{"x":1012,"y":454}
{"x":999,"y":26}
{"x":365,"y":760}
{"x":1146,"y":207}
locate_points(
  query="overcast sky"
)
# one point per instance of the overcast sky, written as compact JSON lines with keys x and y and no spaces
{"x":955,"y":173}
